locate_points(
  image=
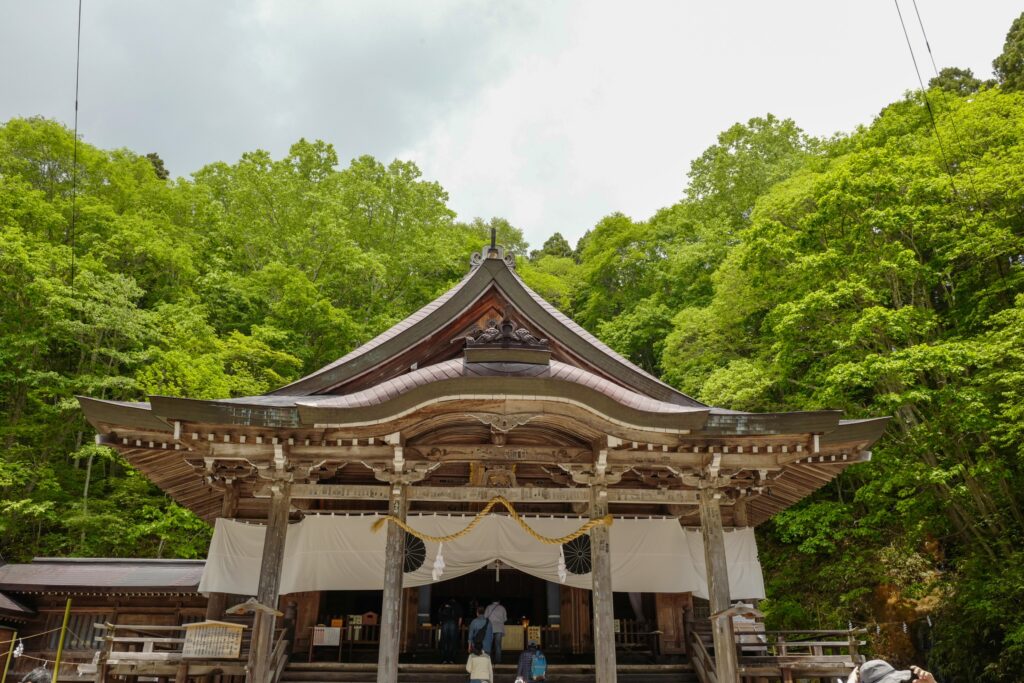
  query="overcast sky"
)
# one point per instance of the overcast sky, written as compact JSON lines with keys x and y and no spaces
{"x":550,"y":114}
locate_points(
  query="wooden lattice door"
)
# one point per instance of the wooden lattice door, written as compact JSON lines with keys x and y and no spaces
{"x":576,"y":635}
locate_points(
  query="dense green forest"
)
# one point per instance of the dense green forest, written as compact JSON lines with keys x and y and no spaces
{"x":880,"y":272}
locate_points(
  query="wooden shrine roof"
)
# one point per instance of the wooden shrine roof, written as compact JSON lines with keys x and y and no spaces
{"x":12,"y":609}
{"x":102,"y":575}
{"x":533,"y":396}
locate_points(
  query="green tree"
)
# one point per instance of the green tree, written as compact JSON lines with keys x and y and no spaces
{"x":556,"y":246}
{"x":158,"y":166}
{"x":229,"y":284}
{"x":955,"y":80}
{"x":1009,"y":65}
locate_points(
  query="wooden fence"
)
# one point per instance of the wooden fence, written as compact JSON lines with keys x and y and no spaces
{"x":128,"y":651}
{"x":782,"y":655}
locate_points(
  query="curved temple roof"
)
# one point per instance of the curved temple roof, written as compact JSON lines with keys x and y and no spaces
{"x":451,"y":357}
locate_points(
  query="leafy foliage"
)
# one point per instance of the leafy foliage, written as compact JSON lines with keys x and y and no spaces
{"x":229,"y":284}
{"x":857,"y":273}
{"x":1009,"y":65}
{"x":955,"y":80}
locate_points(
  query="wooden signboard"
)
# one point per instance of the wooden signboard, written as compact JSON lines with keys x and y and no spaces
{"x":326,"y":636}
{"x":212,"y":640}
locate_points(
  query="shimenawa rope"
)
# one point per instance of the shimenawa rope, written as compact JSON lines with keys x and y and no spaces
{"x":491,"y":504}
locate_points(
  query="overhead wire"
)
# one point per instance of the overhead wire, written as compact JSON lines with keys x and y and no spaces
{"x":931,"y":114}
{"x":74,"y":163}
{"x":952,"y":119}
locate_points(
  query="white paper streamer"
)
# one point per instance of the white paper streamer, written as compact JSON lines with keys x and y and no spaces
{"x":438,"y":569}
{"x":562,"y":573}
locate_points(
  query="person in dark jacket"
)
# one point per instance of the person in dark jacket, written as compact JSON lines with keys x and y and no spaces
{"x":450,"y":618}
{"x":525,"y":668}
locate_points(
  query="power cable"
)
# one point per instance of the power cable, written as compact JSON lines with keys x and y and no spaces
{"x":74,"y":163}
{"x":952,"y":119}
{"x":931,"y":113}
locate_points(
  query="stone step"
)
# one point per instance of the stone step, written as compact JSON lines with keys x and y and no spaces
{"x":330,"y":672}
{"x":370,"y":677}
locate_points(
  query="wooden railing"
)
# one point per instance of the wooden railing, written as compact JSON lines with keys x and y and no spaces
{"x":278,"y":657}
{"x":150,"y":650}
{"x":788,"y":655}
{"x":814,"y":643}
{"x":428,"y":637}
{"x":636,"y":637}
{"x":701,"y":659}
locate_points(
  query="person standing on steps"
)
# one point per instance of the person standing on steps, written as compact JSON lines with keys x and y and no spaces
{"x":533,"y":665}
{"x":480,"y":631}
{"x":497,"y":615}
{"x":450,"y":618}
{"x":479,"y":666}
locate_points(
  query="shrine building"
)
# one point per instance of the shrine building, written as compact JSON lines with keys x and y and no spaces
{"x":620,"y":511}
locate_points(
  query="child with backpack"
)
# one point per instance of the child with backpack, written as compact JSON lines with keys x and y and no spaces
{"x":533,"y":665}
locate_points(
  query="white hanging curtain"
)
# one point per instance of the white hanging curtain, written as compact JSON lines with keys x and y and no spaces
{"x":344,"y":553}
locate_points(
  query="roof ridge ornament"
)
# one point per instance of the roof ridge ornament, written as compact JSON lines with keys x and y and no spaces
{"x":506,"y":342}
{"x":506,"y":334}
{"x":494,"y":251}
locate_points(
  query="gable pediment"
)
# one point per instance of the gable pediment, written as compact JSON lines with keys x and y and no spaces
{"x":437,"y":333}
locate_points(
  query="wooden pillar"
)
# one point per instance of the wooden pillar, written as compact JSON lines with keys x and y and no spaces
{"x":601,"y":573}
{"x":391,"y":609}
{"x":216,"y":603}
{"x":273,"y":543}
{"x":739,"y":512}
{"x":726,"y":664}
{"x":270,"y":579}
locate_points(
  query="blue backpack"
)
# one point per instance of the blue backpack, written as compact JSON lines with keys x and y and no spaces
{"x":539,"y":666}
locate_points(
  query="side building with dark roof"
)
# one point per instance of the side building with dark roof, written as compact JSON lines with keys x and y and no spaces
{"x":33,"y":597}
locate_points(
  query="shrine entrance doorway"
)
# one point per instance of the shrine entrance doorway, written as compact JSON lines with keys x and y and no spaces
{"x":532,"y":605}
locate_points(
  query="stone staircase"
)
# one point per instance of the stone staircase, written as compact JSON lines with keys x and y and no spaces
{"x":330,"y":672}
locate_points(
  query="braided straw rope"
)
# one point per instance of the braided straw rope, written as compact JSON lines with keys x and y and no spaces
{"x":497,"y":500}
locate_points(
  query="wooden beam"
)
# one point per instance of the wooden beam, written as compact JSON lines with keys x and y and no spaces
{"x":718,"y":586}
{"x":601,"y":574}
{"x":391,"y":609}
{"x":696,"y":461}
{"x":264,"y":452}
{"x":477,"y":494}
{"x":548,"y":455}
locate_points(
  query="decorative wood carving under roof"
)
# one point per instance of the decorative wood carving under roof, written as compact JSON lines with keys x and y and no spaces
{"x":507,"y":342}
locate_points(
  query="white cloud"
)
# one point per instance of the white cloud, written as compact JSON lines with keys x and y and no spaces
{"x":610,"y":101}
{"x":550,"y":114}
